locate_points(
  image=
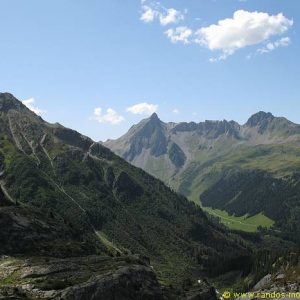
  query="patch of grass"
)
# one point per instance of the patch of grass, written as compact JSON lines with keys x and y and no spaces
{"x":9,"y":280}
{"x":244,"y":223}
{"x":7,"y":149}
{"x":55,"y":149}
{"x":108,"y":244}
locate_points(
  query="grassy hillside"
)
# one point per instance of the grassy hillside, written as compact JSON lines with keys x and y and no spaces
{"x":109,"y":203}
{"x":246,"y":192}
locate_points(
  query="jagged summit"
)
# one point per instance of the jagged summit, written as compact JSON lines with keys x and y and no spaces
{"x":7,"y":95}
{"x":154,"y":119}
{"x":259,"y":118}
{"x":149,"y":134}
{"x":8,"y":102}
{"x":154,"y":116}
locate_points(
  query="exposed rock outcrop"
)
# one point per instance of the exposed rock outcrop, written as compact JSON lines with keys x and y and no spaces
{"x":79,"y":278}
{"x":284,"y":284}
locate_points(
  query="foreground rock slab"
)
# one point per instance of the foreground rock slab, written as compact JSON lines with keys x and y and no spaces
{"x":80,"y":278}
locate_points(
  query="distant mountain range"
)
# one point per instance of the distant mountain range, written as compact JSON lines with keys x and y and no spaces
{"x":241,"y":169}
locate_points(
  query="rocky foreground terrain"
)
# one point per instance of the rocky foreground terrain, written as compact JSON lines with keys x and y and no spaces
{"x":45,"y":262}
{"x":284,"y":284}
{"x":90,"y":277}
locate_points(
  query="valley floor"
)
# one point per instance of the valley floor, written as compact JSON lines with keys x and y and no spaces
{"x":244,"y":223}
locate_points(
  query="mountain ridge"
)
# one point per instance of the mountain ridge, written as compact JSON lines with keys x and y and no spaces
{"x":199,"y":155}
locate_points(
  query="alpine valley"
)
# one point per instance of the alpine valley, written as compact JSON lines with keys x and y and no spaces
{"x":79,"y":222}
{"x":245,"y":175}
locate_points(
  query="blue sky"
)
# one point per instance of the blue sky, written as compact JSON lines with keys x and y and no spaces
{"x":101,"y":66}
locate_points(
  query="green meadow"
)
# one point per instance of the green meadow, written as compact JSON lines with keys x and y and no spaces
{"x":244,"y":223}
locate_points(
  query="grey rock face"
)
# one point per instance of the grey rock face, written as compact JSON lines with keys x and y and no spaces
{"x":283,"y":285}
{"x":263,"y":282}
{"x":82,"y":278}
{"x":259,"y":118}
{"x":280,"y":276}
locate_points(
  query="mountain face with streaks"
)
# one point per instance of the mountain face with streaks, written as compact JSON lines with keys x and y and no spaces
{"x":62,"y":196}
{"x":244,"y":170}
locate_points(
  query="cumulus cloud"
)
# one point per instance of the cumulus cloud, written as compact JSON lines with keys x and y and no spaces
{"x":148,"y":14}
{"x":155,"y":11}
{"x":109,"y":117}
{"x":243,"y":29}
{"x":29,"y":103}
{"x":179,"y":34}
{"x":283,"y":42}
{"x":170,"y":16}
{"x":175,"y":111}
{"x":143,"y":109}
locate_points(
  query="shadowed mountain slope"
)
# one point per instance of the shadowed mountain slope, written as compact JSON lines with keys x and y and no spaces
{"x":114,"y":207}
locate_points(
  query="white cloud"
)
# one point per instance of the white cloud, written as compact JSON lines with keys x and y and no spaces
{"x":175,"y":111}
{"x":228,"y":35}
{"x":171,"y":16}
{"x":154,"y":10}
{"x":179,"y":34}
{"x":29,"y":103}
{"x":221,"y":57}
{"x":148,"y":14}
{"x":110,"y":117}
{"x":283,"y":42}
{"x":244,"y":29}
{"x":143,"y":108}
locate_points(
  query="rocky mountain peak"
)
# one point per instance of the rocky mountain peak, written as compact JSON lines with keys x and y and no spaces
{"x":8,"y":102}
{"x":154,"y":116}
{"x":154,"y":119}
{"x":259,"y":118}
